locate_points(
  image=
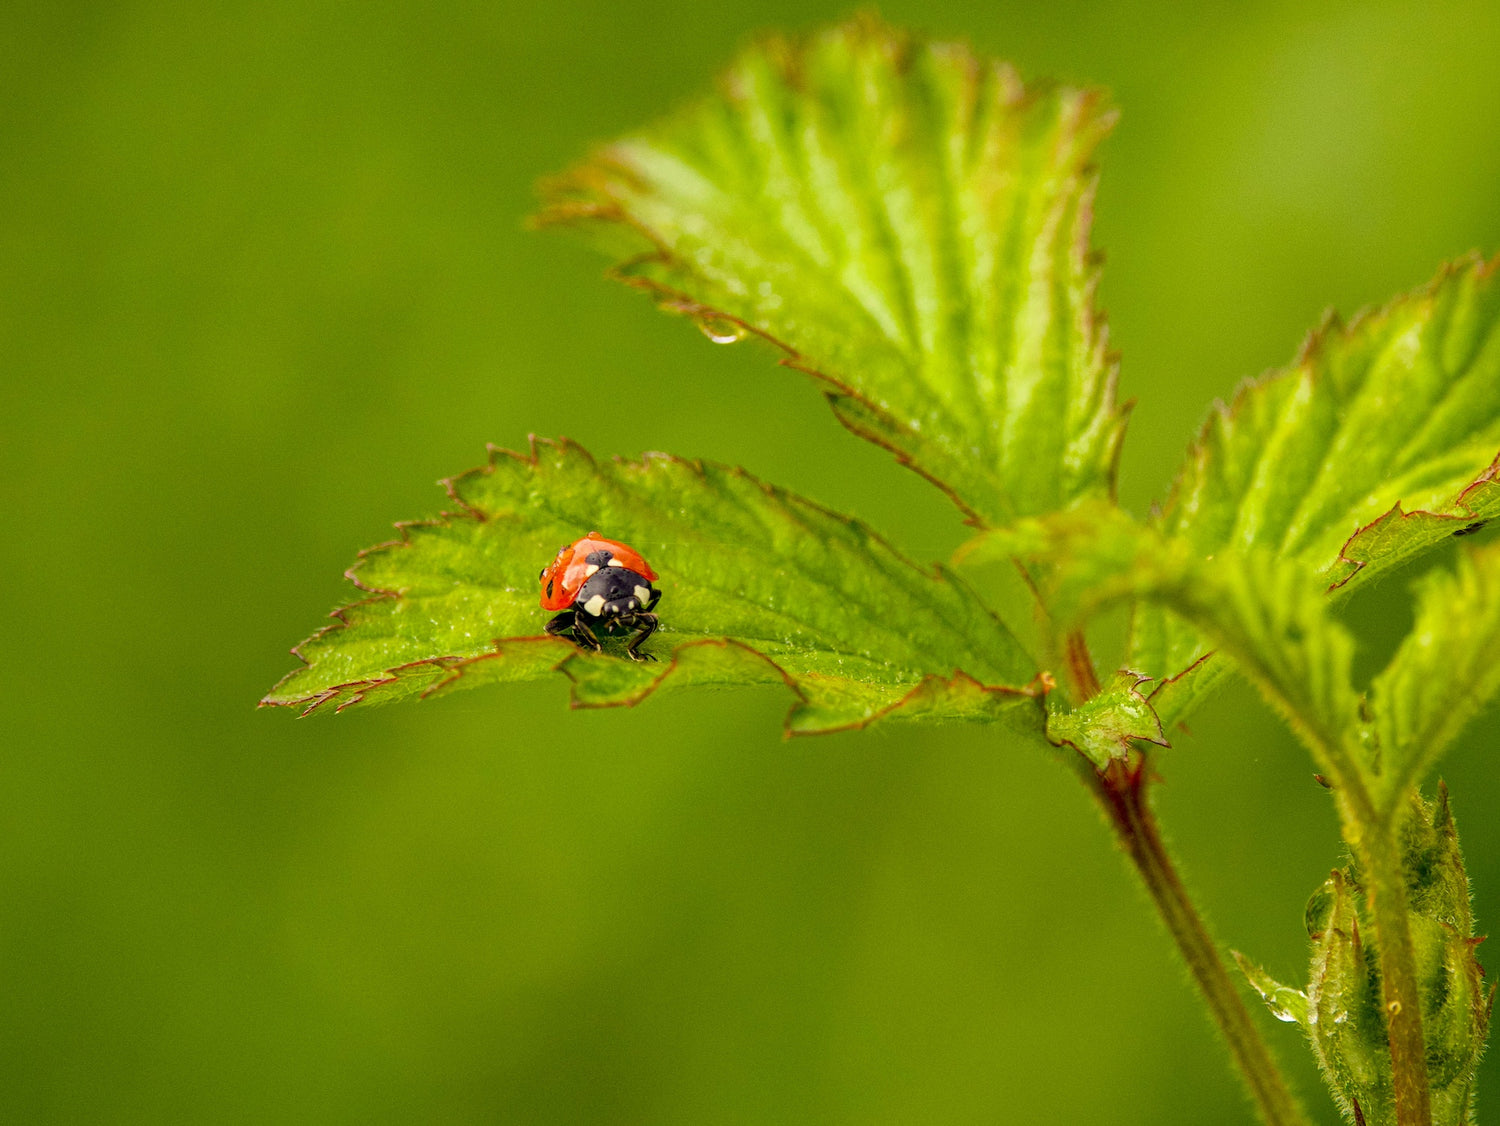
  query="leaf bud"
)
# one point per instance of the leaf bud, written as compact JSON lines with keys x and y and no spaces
{"x":1342,"y":1009}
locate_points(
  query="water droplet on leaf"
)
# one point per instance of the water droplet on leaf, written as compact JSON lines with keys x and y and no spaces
{"x":721,"y":330}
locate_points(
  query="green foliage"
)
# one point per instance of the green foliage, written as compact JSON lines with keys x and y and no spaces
{"x":909,"y":223}
{"x":1343,"y":1010}
{"x":761,"y":587}
{"x":1107,"y":726}
{"x":1393,"y":933}
{"x":1446,"y":670}
{"x":1286,"y":1003}
{"x":1268,"y":614}
{"x":1345,"y":1019}
{"x":1377,"y":443}
{"x":1274,"y":620}
{"x":1274,"y":623}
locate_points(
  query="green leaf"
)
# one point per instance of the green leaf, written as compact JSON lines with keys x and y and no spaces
{"x":1089,"y":555}
{"x":1104,"y":727}
{"x":1267,"y":613}
{"x":909,"y":223}
{"x":1347,"y":1025}
{"x":1347,"y":1013}
{"x":760,"y":587}
{"x":1446,"y":670}
{"x":1399,"y":536}
{"x":1286,"y":1004}
{"x":1378,"y":442}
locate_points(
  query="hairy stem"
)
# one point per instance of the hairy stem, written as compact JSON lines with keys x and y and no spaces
{"x":1375,"y":838}
{"x":1121,"y":792}
{"x":1376,"y":842}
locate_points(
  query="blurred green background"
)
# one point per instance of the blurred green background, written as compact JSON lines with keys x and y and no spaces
{"x":263,"y":280}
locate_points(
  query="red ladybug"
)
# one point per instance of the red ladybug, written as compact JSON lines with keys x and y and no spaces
{"x":603,"y":588}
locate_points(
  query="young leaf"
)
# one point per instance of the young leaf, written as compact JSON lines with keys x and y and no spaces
{"x":1286,"y":1003}
{"x":759,"y":586}
{"x":1104,"y":727}
{"x":1264,"y":612}
{"x":1446,"y":670}
{"x":909,"y":223}
{"x":1377,"y":443}
{"x":1348,"y":1012}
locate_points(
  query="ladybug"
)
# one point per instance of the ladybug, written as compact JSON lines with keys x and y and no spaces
{"x":603,"y":588}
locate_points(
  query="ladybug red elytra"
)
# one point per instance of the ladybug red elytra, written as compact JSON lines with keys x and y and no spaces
{"x":602,"y":588}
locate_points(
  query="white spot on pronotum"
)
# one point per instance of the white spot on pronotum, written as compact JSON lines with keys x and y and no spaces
{"x":589,"y":570}
{"x":594,"y":605}
{"x":632,"y":604}
{"x":616,"y":563}
{"x":643,"y":593}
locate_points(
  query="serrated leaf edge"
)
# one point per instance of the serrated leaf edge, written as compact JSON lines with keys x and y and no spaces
{"x":1396,"y":512}
{"x":452,"y":663}
{"x":455,"y":664}
{"x":566,"y":211}
{"x":670,"y":300}
{"x":455,"y":667}
{"x":1040,"y":685}
{"x":1317,"y":339}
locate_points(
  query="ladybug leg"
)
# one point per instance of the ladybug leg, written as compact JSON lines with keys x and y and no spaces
{"x":584,"y":635}
{"x":647,"y":624}
{"x":571,"y":623}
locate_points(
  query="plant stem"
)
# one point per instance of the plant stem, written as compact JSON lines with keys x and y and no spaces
{"x":1121,"y":792}
{"x":1375,"y":841}
{"x":1374,"y":837}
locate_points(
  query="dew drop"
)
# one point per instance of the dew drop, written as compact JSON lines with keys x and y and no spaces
{"x":721,"y":330}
